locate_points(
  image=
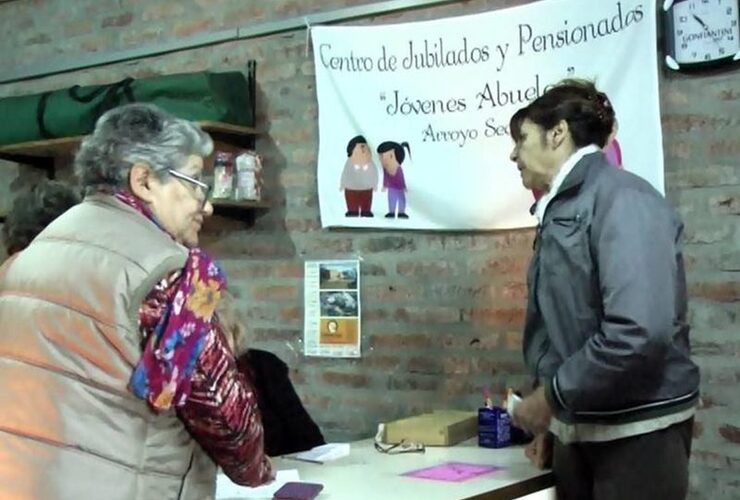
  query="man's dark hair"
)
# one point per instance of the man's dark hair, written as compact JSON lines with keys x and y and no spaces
{"x":358,"y":139}
{"x":34,"y":210}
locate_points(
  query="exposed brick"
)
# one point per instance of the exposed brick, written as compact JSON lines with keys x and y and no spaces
{"x":95,"y":43}
{"x":720,"y":375}
{"x":722,"y":292}
{"x":276,"y":292}
{"x":711,"y":230}
{"x":730,"y":433}
{"x":393,"y":340}
{"x":438,"y":269}
{"x":302,"y":201}
{"x":724,"y":148}
{"x":369,"y":314}
{"x":188,"y":28}
{"x":502,"y":266}
{"x":711,"y":175}
{"x":118,"y":21}
{"x":729,"y":94}
{"x":425,"y":365}
{"x":456,"y":365}
{"x":698,"y":429}
{"x":77,"y":28}
{"x":435,"y":315}
{"x":367,"y":269}
{"x":389,"y":244}
{"x":382,"y":362}
{"x":677,"y":149}
{"x":715,"y":459}
{"x":274,"y":71}
{"x":715,"y":348}
{"x":139,"y":36}
{"x":273,"y":334}
{"x":412,"y":383}
{"x":302,"y":225}
{"x":329,"y":248}
{"x":291,"y":313}
{"x":38,"y":39}
{"x":304,"y":156}
{"x":156,"y":12}
{"x":696,"y":122}
{"x":316,"y":401}
{"x":496,"y":316}
{"x":725,"y":204}
{"x":345,"y":379}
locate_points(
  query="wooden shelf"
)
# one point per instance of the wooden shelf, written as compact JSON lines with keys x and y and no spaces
{"x":43,"y":148}
{"x":219,"y":203}
{"x":66,"y":146}
{"x":227,"y":136}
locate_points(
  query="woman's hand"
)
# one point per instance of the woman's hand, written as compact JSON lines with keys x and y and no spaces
{"x":533,"y":413}
{"x":539,"y":451}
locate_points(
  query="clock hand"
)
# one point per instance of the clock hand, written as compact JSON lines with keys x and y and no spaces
{"x":698,"y":19}
{"x":706,"y":28}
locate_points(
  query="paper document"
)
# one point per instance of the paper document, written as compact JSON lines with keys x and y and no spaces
{"x":323,"y":453}
{"x":452,"y":471}
{"x":226,"y":490}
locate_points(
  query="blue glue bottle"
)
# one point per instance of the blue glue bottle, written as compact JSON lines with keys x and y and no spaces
{"x":494,"y":426}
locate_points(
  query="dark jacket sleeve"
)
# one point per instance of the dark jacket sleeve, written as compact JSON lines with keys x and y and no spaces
{"x":288,"y":427}
{"x":634,"y":238}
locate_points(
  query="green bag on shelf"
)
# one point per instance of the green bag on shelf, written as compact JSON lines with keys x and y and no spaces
{"x":204,"y":96}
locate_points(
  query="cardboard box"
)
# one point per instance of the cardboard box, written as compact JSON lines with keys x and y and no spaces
{"x":439,"y":428}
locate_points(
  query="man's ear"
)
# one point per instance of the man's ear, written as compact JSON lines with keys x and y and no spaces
{"x":139,"y":182}
{"x":559,"y":133}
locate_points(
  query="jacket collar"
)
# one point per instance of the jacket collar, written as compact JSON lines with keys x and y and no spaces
{"x":576,"y":177}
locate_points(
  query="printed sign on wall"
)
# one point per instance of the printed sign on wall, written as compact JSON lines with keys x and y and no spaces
{"x":414,"y":118}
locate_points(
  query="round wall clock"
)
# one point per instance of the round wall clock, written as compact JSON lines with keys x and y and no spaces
{"x":701,"y":33}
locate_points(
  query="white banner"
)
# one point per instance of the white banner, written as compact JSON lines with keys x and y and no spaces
{"x":448,"y":89}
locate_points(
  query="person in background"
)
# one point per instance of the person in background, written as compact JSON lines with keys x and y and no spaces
{"x":116,"y":379}
{"x":34,"y":209}
{"x":605,"y":334}
{"x":288,"y":426}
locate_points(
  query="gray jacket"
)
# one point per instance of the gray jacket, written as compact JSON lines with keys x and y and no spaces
{"x":606,"y":329}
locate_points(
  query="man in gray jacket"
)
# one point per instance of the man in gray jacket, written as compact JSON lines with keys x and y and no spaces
{"x":606,"y":334}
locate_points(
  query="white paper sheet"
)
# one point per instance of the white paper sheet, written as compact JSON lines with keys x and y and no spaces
{"x":226,"y":490}
{"x":324,"y":453}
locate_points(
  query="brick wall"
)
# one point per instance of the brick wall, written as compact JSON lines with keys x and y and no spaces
{"x":442,"y":311}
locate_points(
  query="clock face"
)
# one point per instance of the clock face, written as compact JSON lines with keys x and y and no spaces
{"x":705,"y":30}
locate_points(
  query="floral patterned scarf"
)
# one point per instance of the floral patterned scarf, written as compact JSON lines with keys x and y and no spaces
{"x":162,"y":376}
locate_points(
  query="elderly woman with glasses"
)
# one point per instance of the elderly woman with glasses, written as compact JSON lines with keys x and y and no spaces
{"x":116,"y":379}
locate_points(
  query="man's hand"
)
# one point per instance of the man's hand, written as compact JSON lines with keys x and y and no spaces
{"x":533,"y":413}
{"x":539,"y":451}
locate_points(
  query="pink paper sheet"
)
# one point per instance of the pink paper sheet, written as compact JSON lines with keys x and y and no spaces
{"x":452,"y":471}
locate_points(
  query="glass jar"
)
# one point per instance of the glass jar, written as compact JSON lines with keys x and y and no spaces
{"x":248,"y":177}
{"x":223,"y":175}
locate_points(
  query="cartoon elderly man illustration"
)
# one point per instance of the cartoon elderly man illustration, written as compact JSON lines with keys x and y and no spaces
{"x":359,"y":178}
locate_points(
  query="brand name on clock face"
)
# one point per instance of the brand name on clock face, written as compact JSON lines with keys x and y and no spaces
{"x":717,"y":34}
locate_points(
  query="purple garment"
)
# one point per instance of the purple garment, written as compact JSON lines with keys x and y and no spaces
{"x":394,"y":181}
{"x":396,"y":199}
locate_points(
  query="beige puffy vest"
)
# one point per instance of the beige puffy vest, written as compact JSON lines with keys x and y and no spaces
{"x":69,"y":427}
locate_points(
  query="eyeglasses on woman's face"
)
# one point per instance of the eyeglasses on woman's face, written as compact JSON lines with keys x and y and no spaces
{"x":199,"y":188}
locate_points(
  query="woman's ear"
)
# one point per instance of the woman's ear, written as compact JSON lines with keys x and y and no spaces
{"x":139,"y":182}
{"x":559,"y":133}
